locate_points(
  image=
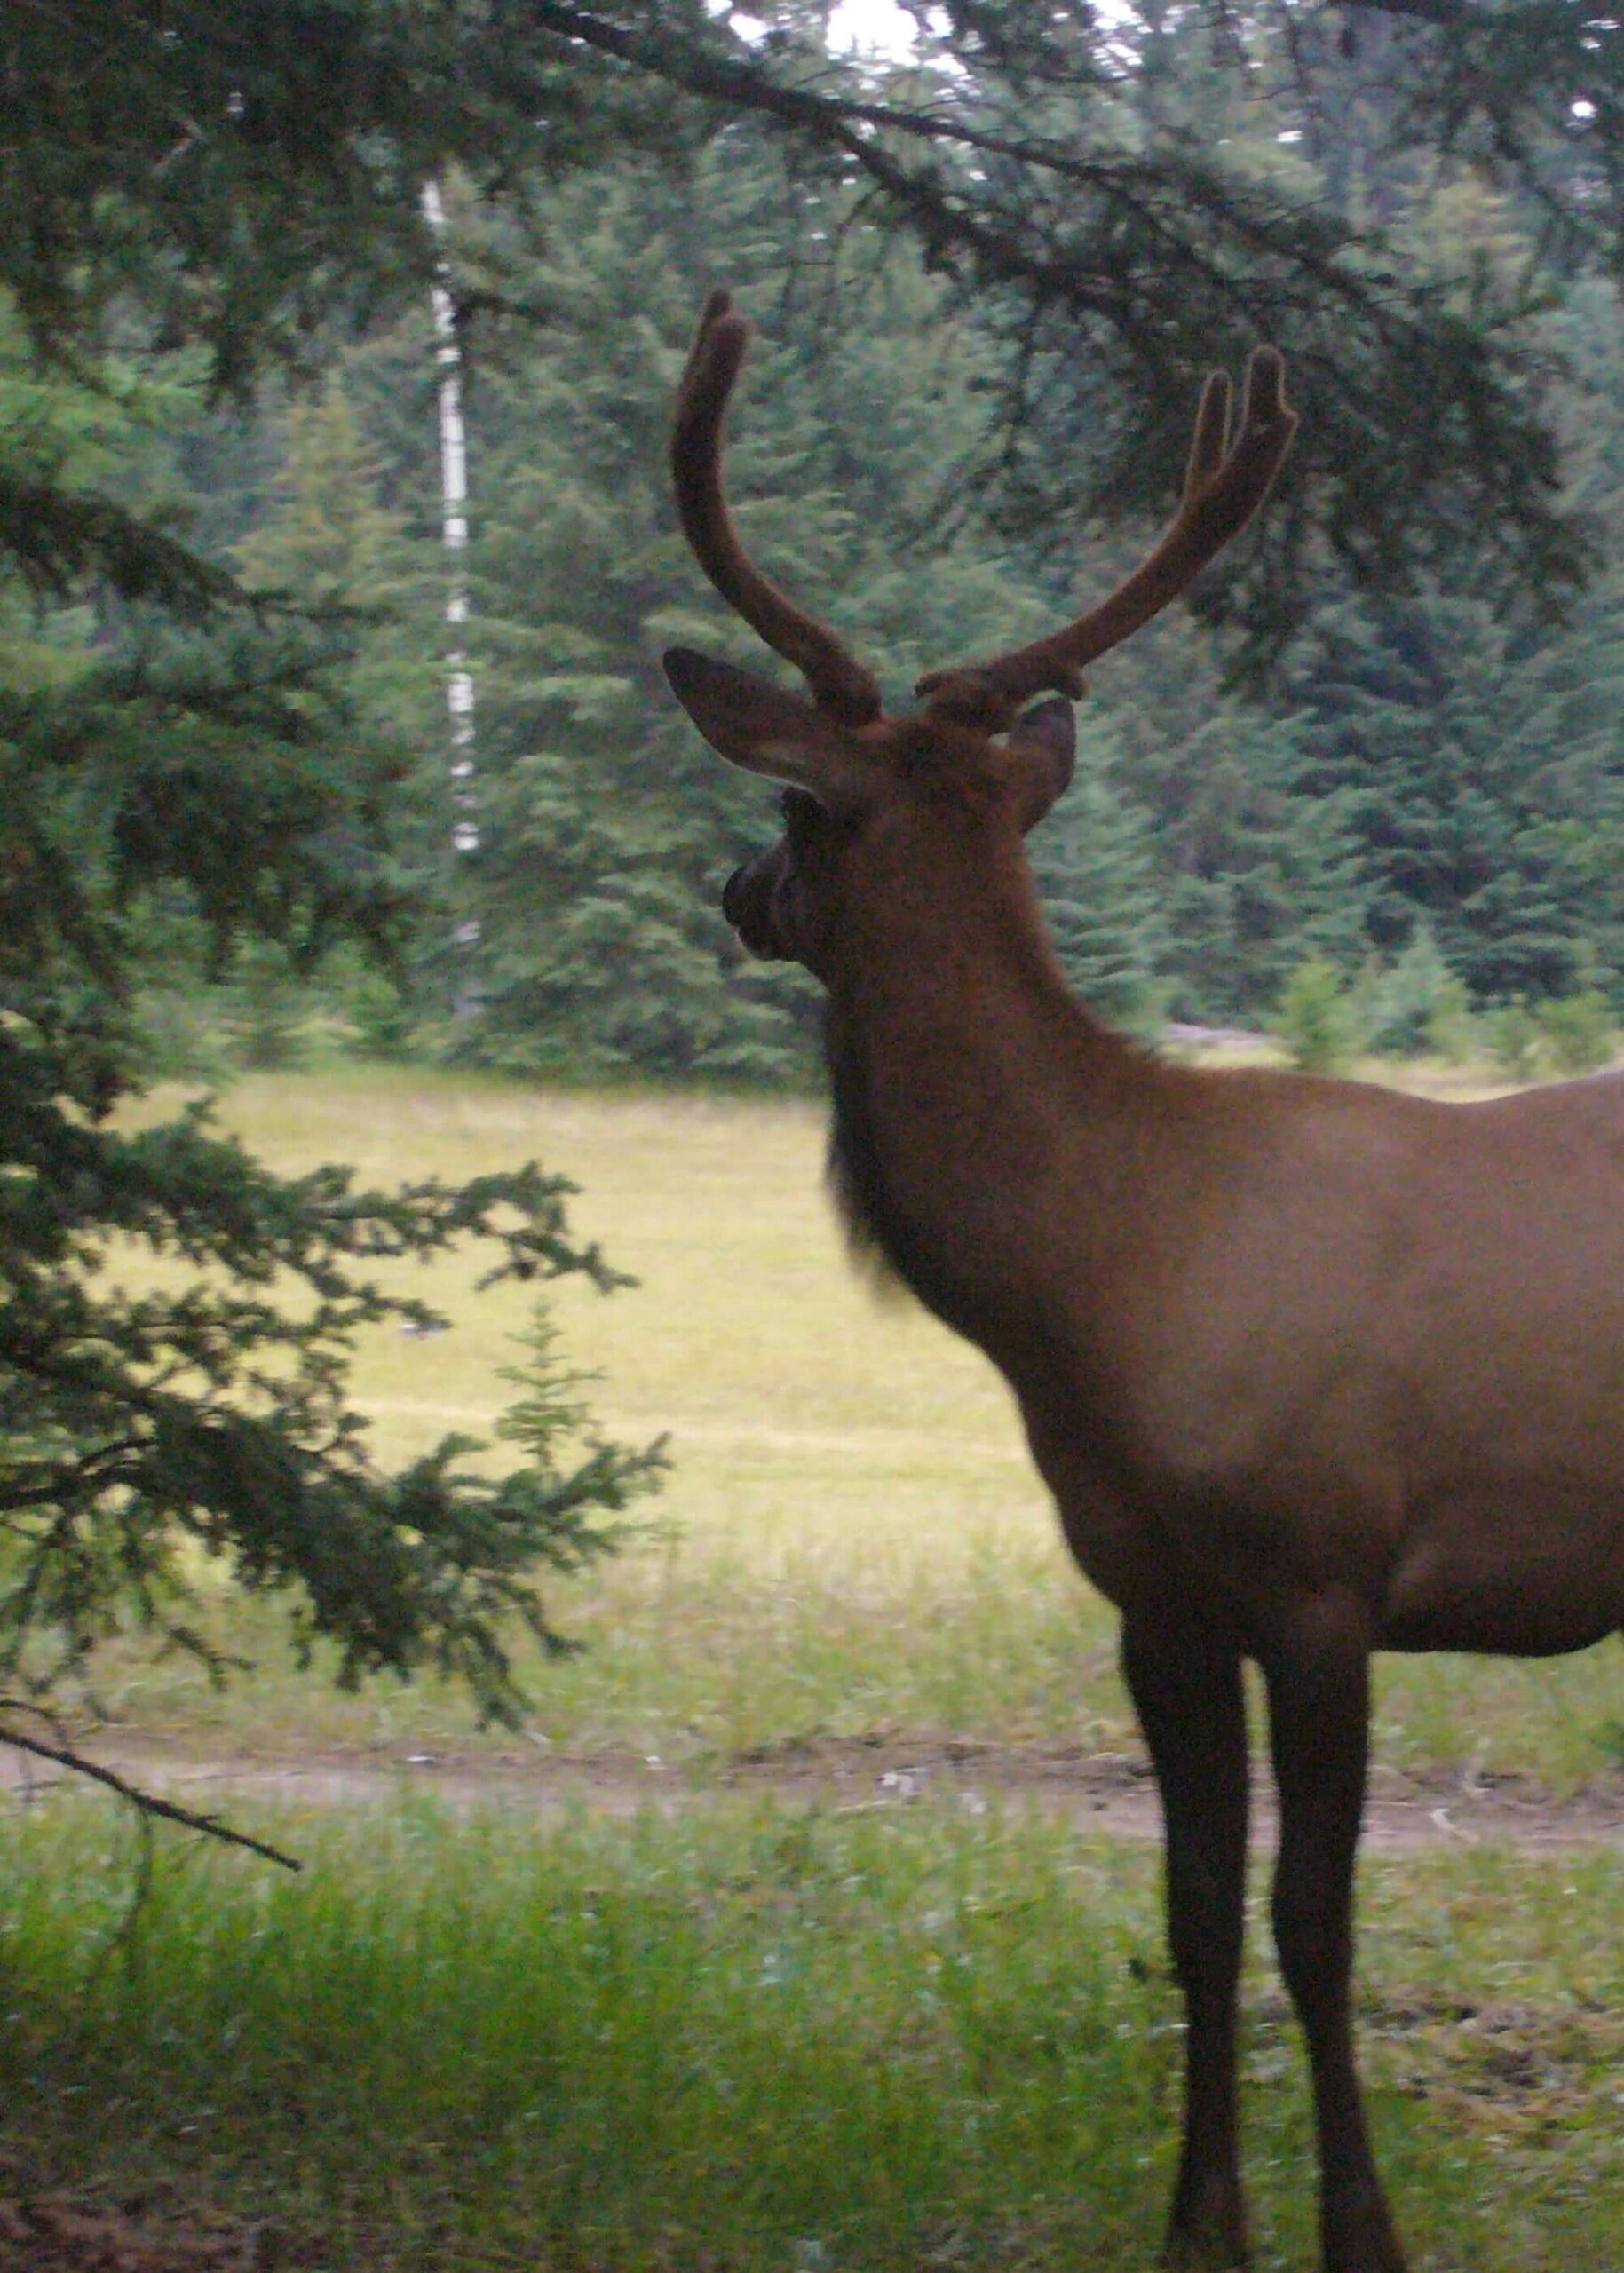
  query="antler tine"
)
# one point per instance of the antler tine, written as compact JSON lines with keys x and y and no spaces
{"x":1207,"y":444}
{"x":1224,"y":487}
{"x":838,"y":681}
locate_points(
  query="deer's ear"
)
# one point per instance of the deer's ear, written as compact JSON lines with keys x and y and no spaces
{"x":1044,"y":743}
{"x":753,"y":724}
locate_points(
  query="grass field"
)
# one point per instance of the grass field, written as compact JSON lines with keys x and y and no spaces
{"x":763,"y":2037}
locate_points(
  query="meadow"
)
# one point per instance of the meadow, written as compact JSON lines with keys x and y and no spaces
{"x":794,"y":2031}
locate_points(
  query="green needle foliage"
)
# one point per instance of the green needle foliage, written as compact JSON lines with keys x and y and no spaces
{"x":194,"y":773}
{"x":1112,"y":188}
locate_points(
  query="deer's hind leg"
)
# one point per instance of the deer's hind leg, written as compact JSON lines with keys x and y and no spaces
{"x":1192,"y":1707}
{"x":1318,"y":1682}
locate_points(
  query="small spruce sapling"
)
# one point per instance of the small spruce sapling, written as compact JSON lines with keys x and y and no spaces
{"x":1578,"y":1031}
{"x":1515,"y":1041}
{"x":1315,"y":1019}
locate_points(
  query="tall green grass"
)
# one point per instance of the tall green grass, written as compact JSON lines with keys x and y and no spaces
{"x":754,"y":2039}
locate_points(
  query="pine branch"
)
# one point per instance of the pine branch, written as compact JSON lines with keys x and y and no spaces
{"x":58,"y":537}
{"x":1421,"y":432}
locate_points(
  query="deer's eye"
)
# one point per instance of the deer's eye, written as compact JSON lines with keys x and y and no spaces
{"x":801,"y":810}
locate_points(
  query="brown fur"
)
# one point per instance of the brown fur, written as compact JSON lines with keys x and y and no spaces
{"x":1310,"y":1369}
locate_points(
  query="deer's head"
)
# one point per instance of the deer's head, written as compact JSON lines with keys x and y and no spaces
{"x":866,"y":793}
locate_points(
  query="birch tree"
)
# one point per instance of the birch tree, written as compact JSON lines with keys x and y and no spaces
{"x":460,"y":696}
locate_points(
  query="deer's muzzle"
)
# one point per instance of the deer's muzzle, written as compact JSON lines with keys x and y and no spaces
{"x":746,"y":903}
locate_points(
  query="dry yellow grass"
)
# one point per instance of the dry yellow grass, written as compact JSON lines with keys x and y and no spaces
{"x":805,"y":1418}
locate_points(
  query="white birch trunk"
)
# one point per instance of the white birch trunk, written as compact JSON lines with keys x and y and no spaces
{"x":454,"y":530}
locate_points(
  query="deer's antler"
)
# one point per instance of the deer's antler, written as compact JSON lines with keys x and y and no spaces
{"x":1224,"y":487}
{"x":838,"y":681}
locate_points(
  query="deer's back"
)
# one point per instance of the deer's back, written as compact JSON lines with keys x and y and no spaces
{"x":1372,"y":1341}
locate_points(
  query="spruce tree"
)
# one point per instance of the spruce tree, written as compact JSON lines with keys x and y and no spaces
{"x":188,"y":765}
{"x":606,"y":828}
{"x":1459,"y":750}
{"x":1096,"y":873}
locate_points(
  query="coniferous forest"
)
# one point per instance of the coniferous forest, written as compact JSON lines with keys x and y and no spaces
{"x":1375,"y":772}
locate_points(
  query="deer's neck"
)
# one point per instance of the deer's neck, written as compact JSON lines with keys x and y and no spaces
{"x":976,"y":1106}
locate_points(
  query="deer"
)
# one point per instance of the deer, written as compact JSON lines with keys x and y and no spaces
{"x":1310,"y":1368}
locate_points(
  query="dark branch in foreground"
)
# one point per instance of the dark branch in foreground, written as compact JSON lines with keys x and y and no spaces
{"x":145,"y":1804}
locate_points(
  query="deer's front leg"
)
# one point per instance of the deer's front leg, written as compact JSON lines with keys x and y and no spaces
{"x":1193,"y":1711}
{"x":1318,"y":1682}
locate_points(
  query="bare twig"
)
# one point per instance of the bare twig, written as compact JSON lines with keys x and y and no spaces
{"x":189,"y":140}
{"x":147,"y":1803}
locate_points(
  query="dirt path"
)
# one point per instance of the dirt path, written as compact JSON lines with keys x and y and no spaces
{"x":1111,"y":1793}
